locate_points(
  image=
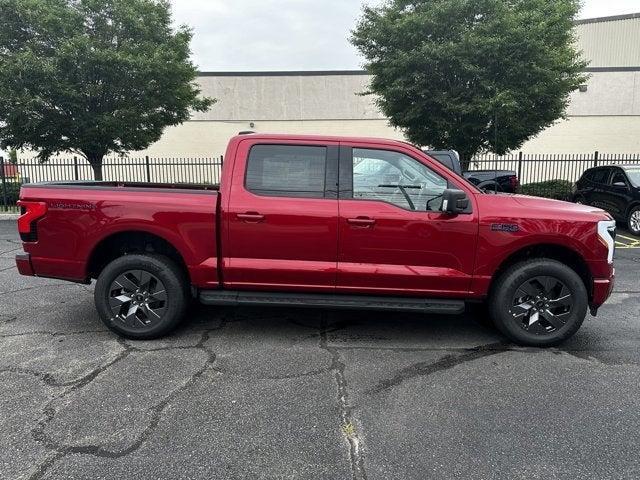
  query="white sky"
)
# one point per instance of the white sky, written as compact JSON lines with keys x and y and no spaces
{"x":245,"y":35}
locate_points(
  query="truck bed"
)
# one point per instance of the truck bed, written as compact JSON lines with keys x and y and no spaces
{"x":118,"y":184}
{"x":82,"y":217}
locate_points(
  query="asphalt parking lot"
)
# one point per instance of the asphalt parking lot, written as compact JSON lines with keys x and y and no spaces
{"x":279,"y":393}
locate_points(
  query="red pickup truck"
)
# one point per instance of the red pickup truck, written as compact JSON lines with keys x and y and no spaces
{"x":327,"y":222}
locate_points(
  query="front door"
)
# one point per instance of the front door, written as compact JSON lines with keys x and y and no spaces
{"x":282,"y":217}
{"x":392,"y":238}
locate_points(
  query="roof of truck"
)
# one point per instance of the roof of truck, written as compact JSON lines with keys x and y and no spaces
{"x":321,"y":138}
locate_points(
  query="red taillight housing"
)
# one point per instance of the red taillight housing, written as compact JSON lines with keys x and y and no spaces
{"x":515,"y":183}
{"x":31,"y":213}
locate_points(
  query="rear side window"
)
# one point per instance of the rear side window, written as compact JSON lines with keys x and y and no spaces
{"x":600,"y":176}
{"x":286,"y":171}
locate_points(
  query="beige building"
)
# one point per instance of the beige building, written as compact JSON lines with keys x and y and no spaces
{"x":605,"y":117}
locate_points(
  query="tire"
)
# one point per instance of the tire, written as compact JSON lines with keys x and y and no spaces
{"x":142,"y":296}
{"x":633,"y":221}
{"x":579,"y":199}
{"x":539,"y":303}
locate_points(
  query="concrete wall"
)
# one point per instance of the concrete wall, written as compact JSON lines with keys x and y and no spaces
{"x":611,"y":42}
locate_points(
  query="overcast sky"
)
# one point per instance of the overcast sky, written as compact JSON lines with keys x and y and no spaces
{"x":245,"y":35}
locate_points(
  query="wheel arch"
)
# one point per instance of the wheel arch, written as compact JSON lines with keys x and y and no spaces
{"x":560,"y":253}
{"x":633,"y":204}
{"x":121,"y":243}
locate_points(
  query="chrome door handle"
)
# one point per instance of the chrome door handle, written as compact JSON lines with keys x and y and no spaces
{"x":361,"y":222}
{"x":250,"y":217}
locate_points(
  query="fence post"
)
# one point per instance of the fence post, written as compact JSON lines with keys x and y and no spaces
{"x":520,"y":166}
{"x":146,"y":162}
{"x":4,"y":186}
{"x":75,"y":168}
{"x":595,"y":159}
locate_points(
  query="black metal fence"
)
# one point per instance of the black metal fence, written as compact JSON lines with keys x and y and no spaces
{"x":547,"y":175}
{"x":127,"y":169}
{"x":550,"y":175}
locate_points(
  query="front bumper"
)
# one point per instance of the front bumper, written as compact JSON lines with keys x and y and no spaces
{"x":23,"y":262}
{"x":602,"y":288}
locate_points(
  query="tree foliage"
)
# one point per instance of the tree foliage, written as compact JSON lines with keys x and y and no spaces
{"x":92,"y":76}
{"x":445,"y":71}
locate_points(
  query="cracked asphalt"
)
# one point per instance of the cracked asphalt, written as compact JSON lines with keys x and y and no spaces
{"x":262,"y":393}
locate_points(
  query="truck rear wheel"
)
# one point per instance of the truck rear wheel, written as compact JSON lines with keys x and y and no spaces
{"x":141,"y":296}
{"x":539,"y":303}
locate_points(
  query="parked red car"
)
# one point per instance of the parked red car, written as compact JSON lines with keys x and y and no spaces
{"x":317,"y":221}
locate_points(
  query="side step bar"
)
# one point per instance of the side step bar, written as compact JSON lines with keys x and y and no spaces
{"x":337,"y":301}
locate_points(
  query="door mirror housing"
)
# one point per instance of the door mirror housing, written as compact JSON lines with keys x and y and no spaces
{"x":455,"y":201}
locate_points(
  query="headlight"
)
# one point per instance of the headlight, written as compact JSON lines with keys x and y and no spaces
{"x":607,"y":233}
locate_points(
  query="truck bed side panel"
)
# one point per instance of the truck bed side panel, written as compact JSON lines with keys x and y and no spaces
{"x":79,"y":218}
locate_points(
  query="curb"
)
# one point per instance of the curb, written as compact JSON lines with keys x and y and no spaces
{"x":9,"y":216}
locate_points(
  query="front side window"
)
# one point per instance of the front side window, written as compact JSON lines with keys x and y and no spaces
{"x":395,"y":178}
{"x":618,"y":177}
{"x":634,"y":176}
{"x":286,"y":170}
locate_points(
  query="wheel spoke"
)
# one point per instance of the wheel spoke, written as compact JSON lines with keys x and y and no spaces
{"x":130,"y":318}
{"x":521,"y":309}
{"x":144,"y":279}
{"x":126,"y":283}
{"x":117,"y":302}
{"x":529,"y":289}
{"x":556,"y":320}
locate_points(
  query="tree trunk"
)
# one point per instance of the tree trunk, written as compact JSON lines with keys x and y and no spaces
{"x":465,"y":160}
{"x":96,"y":164}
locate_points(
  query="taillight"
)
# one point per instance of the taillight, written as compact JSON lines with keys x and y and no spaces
{"x":515,"y":183}
{"x":31,"y":213}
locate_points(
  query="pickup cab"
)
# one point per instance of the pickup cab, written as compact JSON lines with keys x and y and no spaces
{"x":323,"y":222}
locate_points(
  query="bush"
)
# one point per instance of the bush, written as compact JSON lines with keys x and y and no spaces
{"x":556,"y":189}
{"x":13,"y":192}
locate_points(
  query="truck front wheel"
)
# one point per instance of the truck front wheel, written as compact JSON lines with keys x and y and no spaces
{"x":538,"y":303}
{"x":141,"y":296}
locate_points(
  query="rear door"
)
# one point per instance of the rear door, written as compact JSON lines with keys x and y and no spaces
{"x":392,"y":237}
{"x":618,"y":193}
{"x":596,"y":195}
{"x":281,"y":217}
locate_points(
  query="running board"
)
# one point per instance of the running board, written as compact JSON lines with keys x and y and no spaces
{"x":337,"y":301}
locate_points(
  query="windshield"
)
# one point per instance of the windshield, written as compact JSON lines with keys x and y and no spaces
{"x":634,"y":176}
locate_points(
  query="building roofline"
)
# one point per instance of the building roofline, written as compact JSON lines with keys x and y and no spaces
{"x":613,"y":18}
{"x":314,"y":73}
{"x":284,"y":73}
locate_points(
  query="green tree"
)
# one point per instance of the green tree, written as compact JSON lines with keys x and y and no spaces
{"x":453,"y":73}
{"x":92,"y":76}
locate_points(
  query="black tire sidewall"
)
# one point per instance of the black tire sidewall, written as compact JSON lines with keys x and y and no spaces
{"x":510,"y":281}
{"x":631,"y":212}
{"x":166,"y":271}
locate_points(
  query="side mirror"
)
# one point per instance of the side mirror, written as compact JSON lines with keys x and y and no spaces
{"x":455,"y":201}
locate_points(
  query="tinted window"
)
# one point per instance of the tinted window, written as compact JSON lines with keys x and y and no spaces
{"x":286,"y":170}
{"x":395,"y":178}
{"x":600,"y":175}
{"x":618,"y":176}
{"x":588,"y":175}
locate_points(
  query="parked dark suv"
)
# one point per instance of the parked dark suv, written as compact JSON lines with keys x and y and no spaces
{"x":505,"y":181}
{"x":615,"y":189}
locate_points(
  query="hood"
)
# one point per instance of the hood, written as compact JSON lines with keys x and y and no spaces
{"x":527,"y":206}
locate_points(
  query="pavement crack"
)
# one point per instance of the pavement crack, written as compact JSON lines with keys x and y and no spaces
{"x":156,"y":411}
{"x":422,"y":369}
{"x":348,"y":425}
